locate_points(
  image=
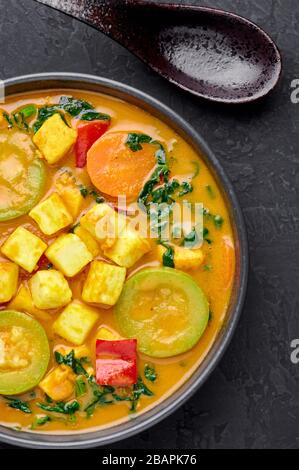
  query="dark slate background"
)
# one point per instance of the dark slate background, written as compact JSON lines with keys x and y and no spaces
{"x":252,"y":399}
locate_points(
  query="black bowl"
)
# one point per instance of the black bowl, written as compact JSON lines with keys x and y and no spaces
{"x":117,"y":432}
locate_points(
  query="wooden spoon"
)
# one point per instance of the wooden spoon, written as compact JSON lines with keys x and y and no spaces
{"x":212,"y":53}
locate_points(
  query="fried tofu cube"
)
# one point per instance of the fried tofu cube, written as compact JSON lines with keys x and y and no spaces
{"x":55,"y":138}
{"x":107,"y":334}
{"x":9,"y":274}
{"x":87,"y":238}
{"x":24,"y":248}
{"x":23,"y":302}
{"x":184,"y":258}
{"x":99,"y":212}
{"x":59,"y":383}
{"x":69,"y":192}
{"x":104,"y":283}
{"x":69,"y":254}
{"x":75,"y":322}
{"x":118,"y":241}
{"x":128,"y":248}
{"x":51,"y":215}
{"x":49,"y":289}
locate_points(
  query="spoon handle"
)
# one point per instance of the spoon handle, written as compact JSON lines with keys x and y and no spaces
{"x":111,"y":17}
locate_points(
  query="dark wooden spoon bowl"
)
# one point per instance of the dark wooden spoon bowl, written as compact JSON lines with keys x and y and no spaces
{"x":212,"y":53}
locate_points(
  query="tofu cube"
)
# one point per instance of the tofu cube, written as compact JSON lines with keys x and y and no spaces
{"x":107,"y":334}
{"x":118,"y":241}
{"x":75,"y":322}
{"x":128,"y":248}
{"x":184,"y":258}
{"x":69,"y":254}
{"x":70,"y":193}
{"x":104,"y":283}
{"x":9,"y":274}
{"x":91,"y":244}
{"x":54,"y":139}
{"x":99,"y":212}
{"x":51,"y":215}
{"x":59,"y":383}
{"x":23,"y":302}
{"x":24,"y":248}
{"x":49,"y":289}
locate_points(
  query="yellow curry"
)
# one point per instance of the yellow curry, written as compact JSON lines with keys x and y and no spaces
{"x":100,"y":320}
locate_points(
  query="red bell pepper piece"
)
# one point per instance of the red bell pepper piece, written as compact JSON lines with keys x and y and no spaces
{"x":88,"y":133}
{"x":116,"y":362}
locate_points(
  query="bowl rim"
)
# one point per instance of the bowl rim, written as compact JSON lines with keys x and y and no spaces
{"x":93,"y":83}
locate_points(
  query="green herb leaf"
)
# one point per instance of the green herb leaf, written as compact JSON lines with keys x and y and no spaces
{"x":150,"y":373}
{"x":135,"y":141}
{"x":206,"y":238}
{"x":168,"y":256}
{"x":61,"y":407}
{"x":93,"y":115}
{"x":210,"y":191}
{"x":186,"y":188}
{"x":18,"y":404}
{"x":216,"y":219}
{"x":207,"y":267}
{"x":8,"y":119}
{"x":43,"y":114}
{"x":80,"y":387}
{"x":139,"y":389}
{"x":197,"y":169}
{"x":84,"y":191}
{"x":191,"y":239}
{"x":40,"y":421}
{"x":71,"y":361}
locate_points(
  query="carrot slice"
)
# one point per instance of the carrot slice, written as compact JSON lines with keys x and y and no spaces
{"x":115,"y":169}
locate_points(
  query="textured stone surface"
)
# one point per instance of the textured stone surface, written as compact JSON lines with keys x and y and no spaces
{"x":252,"y":399}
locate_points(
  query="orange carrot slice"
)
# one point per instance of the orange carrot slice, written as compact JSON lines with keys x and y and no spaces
{"x":115,"y":169}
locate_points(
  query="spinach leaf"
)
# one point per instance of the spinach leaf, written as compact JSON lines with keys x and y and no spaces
{"x":168,"y":256}
{"x":206,"y":234}
{"x":43,"y":114}
{"x":210,"y":191}
{"x":80,"y":387}
{"x":18,"y":118}
{"x":216,"y":219}
{"x":197,"y":169}
{"x":61,"y":407}
{"x":79,"y":109}
{"x":71,"y":361}
{"x":139,"y":389}
{"x":102,"y":395}
{"x":135,"y":141}
{"x":191,"y":239}
{"x":40,"y":421}
{"x":185,"y":188}
{"x":8,"y":119}
{"x":91,"y":192}
{"x":150,"y":373}
{"x":18,"y":404}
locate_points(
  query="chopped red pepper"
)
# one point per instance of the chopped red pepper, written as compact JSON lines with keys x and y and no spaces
{"x":88,"y":134}
{"x":116,"y":362}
